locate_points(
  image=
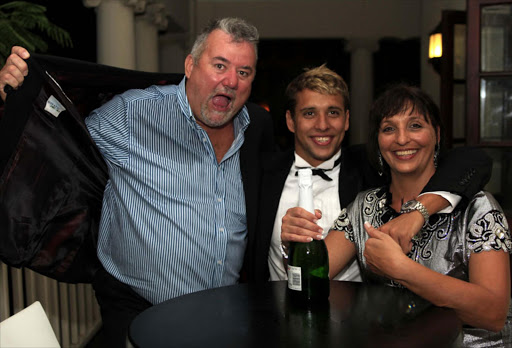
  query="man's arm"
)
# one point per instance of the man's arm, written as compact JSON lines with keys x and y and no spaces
{"x":462,"y":171}
{"x":404,"y":227}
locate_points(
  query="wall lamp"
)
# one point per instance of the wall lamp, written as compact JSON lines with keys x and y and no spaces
{"x":435,"y":48}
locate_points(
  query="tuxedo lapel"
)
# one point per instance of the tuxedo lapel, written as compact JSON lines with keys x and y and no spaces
{"x":349,"y":179}
{"x":275,"y":172}
{"x":258,"y":141}
{"x":258,"y":145}
{"x":356,"y":174}
{"x":276,"y":167}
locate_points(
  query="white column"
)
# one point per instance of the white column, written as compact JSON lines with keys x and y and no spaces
{"x":361,"y":86}
{"x":116,"y":30}
{"x":147,"y":26}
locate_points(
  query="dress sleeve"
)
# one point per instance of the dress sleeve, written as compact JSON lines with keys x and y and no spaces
{"x":342,"y":224}
{"x":487,"y":225}
{"x":351,"y":219}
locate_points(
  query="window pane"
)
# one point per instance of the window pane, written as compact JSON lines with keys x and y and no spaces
{"x":496,"y":35}
{"x":459,"y":51}
{"x":496,"y":109}
{"x":459,"y":113}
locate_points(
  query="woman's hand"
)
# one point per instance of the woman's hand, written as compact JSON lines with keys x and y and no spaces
{"x":403,"y":228}
{"x":299,"y":225}
{"x":383,"y":255}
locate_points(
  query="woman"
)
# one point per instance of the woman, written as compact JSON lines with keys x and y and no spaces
{"x":459,"y":259}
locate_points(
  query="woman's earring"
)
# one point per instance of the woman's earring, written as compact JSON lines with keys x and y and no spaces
{"x":381,"y":164}
{"x":436,"y":155}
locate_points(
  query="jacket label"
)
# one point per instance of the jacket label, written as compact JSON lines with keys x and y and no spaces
{"x":53,"y":106}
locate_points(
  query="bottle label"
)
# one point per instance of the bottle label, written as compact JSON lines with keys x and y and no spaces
{"x":294,"y":278}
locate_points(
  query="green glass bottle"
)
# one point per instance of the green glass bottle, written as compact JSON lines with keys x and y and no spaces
{"x":308,"y":263}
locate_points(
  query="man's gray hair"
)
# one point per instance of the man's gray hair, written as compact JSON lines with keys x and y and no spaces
{"x":237,"y":28}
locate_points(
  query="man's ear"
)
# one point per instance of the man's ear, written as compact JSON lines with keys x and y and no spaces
{"x":290,"y":123}
{"x":189,"y":65}
{"x":347,"y":120}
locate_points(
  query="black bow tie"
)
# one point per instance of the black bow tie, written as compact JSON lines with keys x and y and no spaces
{"x":321,"y":172}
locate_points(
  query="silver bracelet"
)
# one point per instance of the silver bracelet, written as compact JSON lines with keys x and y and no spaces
{"x":283,"y":248}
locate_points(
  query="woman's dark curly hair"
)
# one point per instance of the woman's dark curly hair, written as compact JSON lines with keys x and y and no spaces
{"x":395,"y":100}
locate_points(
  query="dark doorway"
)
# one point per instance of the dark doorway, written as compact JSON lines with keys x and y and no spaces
{"x":397,"y":60}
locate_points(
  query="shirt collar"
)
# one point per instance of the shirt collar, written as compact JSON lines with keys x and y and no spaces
{"x":241,"y":120}
{"x":183,"y":100}
{"x":329,"y":164}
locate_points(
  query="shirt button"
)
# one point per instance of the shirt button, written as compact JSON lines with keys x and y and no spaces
{"x":221,"y":229}
{"x":219,"y":262}
{"x":219,"y":199}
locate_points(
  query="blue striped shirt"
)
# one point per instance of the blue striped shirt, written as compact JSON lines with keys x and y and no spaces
{"x":173,"y":219}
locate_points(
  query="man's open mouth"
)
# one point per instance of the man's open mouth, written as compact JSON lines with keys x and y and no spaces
{"x":221,"y":101}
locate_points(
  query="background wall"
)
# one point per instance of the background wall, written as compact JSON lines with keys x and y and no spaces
{"x":369,"y":42}
{"x":353,"y":21}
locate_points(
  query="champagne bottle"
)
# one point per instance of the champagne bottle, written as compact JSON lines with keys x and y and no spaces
{"x":308,"y":263}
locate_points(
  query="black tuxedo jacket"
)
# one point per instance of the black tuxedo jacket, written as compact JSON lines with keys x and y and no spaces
{"x":463,"y":171}
{"x":53,"y":176}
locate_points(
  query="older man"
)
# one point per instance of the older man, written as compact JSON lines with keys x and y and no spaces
{"x":183,"y":163}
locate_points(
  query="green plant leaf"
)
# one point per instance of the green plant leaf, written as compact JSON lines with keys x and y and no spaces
{"x":21,"y":24}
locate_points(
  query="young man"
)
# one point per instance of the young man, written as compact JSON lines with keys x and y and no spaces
{"x":183,"y":163}
{"x":318,"y":114}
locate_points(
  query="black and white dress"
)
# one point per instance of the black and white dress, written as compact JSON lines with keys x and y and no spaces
{"x":444,"y":245}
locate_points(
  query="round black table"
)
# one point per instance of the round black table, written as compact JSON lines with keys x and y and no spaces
{"x":356,"y":315}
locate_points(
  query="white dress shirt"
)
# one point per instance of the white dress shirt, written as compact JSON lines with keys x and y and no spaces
{"x":326,"y":199}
